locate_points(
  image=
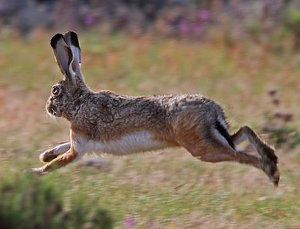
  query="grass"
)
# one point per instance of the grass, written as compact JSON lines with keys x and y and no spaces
{"x":166,"y":189}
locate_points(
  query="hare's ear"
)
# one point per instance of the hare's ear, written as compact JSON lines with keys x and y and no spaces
{"x":72,"y":41}
{"x":64,"y":56}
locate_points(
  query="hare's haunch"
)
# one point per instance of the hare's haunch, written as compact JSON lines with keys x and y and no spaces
{"x":111,"y":123}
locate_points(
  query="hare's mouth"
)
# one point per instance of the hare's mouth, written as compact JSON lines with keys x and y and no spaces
{"x":53,"y":111}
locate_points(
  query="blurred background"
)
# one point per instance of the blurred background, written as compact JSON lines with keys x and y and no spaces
{"x":244,"y":54}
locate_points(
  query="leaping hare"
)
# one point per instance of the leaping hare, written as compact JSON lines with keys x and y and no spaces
{"x":111,"y":123}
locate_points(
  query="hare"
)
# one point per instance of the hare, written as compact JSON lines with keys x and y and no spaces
{"x":117,"y":124}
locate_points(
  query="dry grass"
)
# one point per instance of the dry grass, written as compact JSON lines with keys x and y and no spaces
{"x":169,"y":188}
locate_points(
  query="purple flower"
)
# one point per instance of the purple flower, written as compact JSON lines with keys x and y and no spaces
{"x":204,"y":15}
{"x":89,"y":20}
{"x":129,"y":223}
{"x":184,"y":28}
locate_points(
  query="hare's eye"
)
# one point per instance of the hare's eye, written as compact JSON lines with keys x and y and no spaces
{"x":56,"y":90}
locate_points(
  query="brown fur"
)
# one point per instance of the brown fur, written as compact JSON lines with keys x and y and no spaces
{"x":176,"y":120}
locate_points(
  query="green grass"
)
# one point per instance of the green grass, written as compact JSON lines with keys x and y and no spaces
{"x":163,"y":189}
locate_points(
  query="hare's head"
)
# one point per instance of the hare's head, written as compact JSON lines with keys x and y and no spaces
{"x":68,"y":56}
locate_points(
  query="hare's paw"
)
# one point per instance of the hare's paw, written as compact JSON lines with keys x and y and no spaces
{"x":271,"y":169}
{"x":276,"y":178}
{"x":38,"y":171}
{"x":269,"y":164}
{"x":47,"y":156}
{"x":53,"y":153}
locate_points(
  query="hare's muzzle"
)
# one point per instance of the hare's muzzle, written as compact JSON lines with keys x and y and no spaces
{"x":52,"y":110}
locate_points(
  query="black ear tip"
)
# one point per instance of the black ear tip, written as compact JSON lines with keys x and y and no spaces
{"x":74,"y":39}
{"x":55,"y":39}
{"x":72,"y":33}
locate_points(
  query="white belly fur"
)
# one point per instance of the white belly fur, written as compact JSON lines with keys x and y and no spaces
{"x":127,"y":144}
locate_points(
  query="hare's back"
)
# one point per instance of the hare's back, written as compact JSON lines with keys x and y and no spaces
{"x":195,"y":106}
{"x":163,"y":113}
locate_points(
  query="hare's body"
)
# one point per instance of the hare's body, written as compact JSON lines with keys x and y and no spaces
{"x":110,"y":123}
{"x":154,"y":122}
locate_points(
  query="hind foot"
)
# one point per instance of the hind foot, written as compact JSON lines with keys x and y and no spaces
{"x":271,"y":169}
{"x":269,"y":163}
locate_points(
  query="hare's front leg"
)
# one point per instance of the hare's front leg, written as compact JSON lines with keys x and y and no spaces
{"x":59,"y":161}
{"x":53,"y":153}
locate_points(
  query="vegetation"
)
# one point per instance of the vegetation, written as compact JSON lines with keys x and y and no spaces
{"x":165,"y":189}
{"x":29,"y":202}
{"x":279,"y":125}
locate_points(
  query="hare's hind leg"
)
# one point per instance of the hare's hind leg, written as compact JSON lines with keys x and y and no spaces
{"x":215,"y":152}
{"x":214,"y":149}
{"x":268,"y":157}
{"x":59,"y":161}
{"x":53,"y":153}
{"x":262,"y":148}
